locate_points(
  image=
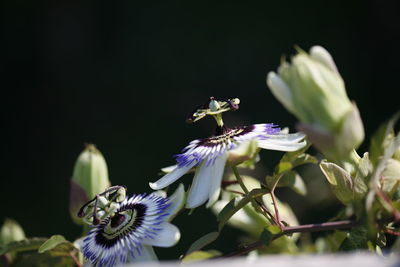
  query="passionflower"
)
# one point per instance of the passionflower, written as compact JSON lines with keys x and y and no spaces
{"x":128,"y":233}
{"x":209,"y":155}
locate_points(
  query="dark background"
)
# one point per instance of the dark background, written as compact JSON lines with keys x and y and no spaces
{"x":125,"y":75}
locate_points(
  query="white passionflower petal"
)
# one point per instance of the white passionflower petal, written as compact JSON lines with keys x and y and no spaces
{"x":169,"y":168}
{"x":216,"y":179}
{"x":176,"y":201}
{"x":283,"y":142}
{"x":294,"y":137}
{"x":280,"y":145}
{"x":198,"y":193}
{"x":146,"y":254}
{"x":168,"y":236}
{"x":171,"y":177}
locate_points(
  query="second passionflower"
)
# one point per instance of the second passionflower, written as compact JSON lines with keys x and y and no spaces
{"x":209,"y":155}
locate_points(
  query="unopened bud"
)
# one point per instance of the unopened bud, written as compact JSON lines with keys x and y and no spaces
{"x":10,"y":231}
{"x":90,"y":177}
{"x":312,"y":89}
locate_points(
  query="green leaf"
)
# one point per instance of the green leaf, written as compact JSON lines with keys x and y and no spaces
{"x":381,"y":138}
{"x":356,"y":239}
{"x":52,"y":242}
{"x":203,"y":241}
{"x":244,"y":156}
{"x":342,"y":184}
{"x":274,"y":229}
{"x":289,"y":161}
{"x":283,"y":167}
{"x":269,"y":233}
{"x":236,"y":204}
{"x":340,"y":181}
{"x":391,"y":177}
{"x":364,"y":167}
{"x":55,"y":251}
{"x":331,"y":242}
{"x":388,"y":152}
{"x":200,"y":255}
{"x":293,"y":180}
{"x":304,"y":159}
{"x":266,"y":237}
{"x":23,"y":245}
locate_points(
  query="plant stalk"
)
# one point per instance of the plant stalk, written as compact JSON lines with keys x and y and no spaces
{"x":306,"y":228}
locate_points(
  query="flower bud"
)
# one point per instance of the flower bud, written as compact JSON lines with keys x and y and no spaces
{"x":90,"y":177}
{"x":312,"y":89}
{"x":10,"y":231}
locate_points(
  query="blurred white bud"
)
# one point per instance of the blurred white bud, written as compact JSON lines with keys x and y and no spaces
{"x":312,"y":89}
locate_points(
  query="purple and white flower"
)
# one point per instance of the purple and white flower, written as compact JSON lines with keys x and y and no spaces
{"x":209,"y":155}
{"x":139,"y":223}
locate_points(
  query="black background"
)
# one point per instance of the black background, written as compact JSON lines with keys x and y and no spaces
{"x":125,"y":75}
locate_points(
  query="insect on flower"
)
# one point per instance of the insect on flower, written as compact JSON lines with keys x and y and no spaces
{"x":209,"y":155}
{"x":127,"y":231}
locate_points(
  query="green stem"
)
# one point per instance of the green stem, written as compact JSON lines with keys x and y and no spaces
{"x":218,"y":119}
{"x":274,"y":203}
{"x":294,"y":229}
{"x":255,"y":203}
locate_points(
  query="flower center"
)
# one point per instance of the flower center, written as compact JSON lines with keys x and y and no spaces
{"x":125,"y":221}
{"x":117,"y":220}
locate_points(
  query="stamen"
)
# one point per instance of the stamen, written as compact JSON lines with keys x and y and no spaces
{"x":214,"y":108}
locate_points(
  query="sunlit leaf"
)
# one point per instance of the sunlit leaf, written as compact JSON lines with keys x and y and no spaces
{"x":246,"y":155}
{"x":330,"y":243}
{"x":288,"y":162}
{"x":268,"y":234}
{"x":339,"y":179}
{"x":51,"y":243}
{"x":274,"y":229}
{"x":356,"y":239}
{"x":203,"y":241}
{"x":381,"y":138}
{"x":23,"y":245}
{"x":293,"y":180}
{"x":343,"y":185}
{"x":200,"y":255}
{"x":391,"y":177}
{"x":266,"y":237}
{"x":236,"y":204}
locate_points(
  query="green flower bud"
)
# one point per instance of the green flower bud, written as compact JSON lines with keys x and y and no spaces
{"x":90,"y":177}
{"x":10,"y":231}
{"x":312,"y":89}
